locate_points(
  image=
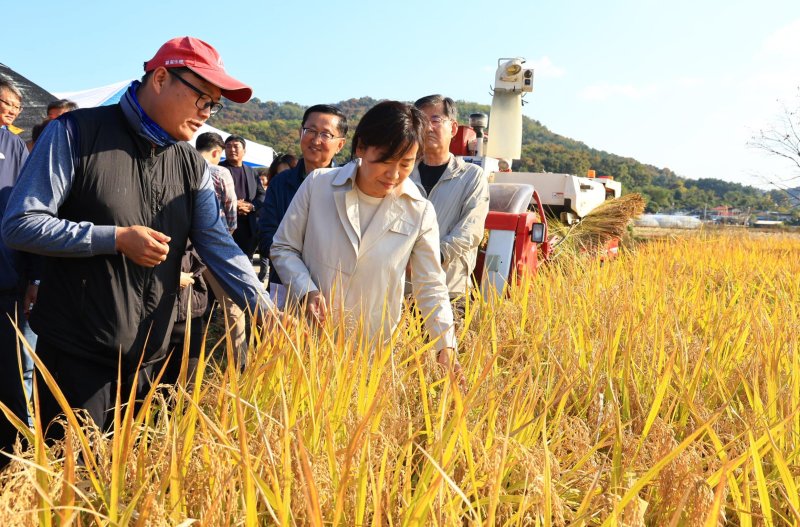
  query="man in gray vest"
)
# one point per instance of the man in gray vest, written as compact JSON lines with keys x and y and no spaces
{"x":111,"y":199}
{"x":459,"y":192}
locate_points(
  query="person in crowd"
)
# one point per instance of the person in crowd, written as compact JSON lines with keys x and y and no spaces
{"x":248,"y":191}
{"x":54,"y":110}
{"x":263,"y":177}
{"x":210,"y":145}
{"x":278,"y":165}
{"x":59,"y":107}
{"x":459,"y":192}
{"x":349,"y":233}
{"x":114,"y":251}
{"x":15,"y":273}
{"x":36,"y":131}
{"x":289,"y":159}
{"x":10,"y":104}
{"x":10,"y":108}
{"x":322,"y":136}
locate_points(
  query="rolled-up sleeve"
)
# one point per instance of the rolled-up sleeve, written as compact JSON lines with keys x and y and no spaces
{"x":220,"y":253}
{"x":286,"y":253}
{"x":31,"y":221}
{"x":428,"y":281}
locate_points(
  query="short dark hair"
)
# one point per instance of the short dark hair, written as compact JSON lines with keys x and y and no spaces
{"x":62,"y":104}
{"x":208,"y":141}
{"x":231,"y":138}
{"x":287,"y":159}
{"x":329,"y":109}
{"x":449,"y":106}
{"x":391,"y":126}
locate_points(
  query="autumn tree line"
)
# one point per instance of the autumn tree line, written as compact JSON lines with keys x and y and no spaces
{"x":277,"y":124}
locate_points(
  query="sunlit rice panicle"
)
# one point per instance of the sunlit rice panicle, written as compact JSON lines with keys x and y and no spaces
{"x":661,"y":387}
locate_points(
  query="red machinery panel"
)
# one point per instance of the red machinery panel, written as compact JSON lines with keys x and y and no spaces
{"x":526,"y":255}
{"x":459,"y":144}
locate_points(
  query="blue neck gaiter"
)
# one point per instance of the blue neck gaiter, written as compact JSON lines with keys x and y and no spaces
{"x":143,"y":124}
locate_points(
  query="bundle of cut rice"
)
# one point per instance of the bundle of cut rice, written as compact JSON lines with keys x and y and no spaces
{"x":608,"y":221}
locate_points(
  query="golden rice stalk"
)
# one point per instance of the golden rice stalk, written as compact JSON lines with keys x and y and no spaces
{"x":603,"y":224}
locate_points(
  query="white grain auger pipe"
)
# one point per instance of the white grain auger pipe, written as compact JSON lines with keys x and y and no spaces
{"x":505,"y":120}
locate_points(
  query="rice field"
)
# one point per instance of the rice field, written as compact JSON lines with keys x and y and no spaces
{"x":660,"y":388}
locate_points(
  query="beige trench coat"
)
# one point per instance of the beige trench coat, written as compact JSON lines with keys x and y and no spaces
{"x":318,"y":246}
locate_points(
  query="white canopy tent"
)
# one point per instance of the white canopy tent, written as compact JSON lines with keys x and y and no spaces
{"x":256,"y":154}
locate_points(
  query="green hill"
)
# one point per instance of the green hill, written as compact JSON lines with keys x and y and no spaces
{"x":278,"y":125}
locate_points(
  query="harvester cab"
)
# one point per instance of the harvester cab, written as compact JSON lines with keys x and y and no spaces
{"x":518,"y":201}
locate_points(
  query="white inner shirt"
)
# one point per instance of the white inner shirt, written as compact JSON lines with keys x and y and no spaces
{"x":367,"y":207}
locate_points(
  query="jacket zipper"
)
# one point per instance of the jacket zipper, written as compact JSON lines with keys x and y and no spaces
{"x":148,"y":272}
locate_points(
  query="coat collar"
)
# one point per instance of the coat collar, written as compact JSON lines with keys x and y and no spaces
{"x":346,"y":175}
{"x":455,"y":168}
{"x":345,"y":197}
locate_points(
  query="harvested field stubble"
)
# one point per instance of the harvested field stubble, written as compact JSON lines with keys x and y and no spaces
{"x":662,"y":386}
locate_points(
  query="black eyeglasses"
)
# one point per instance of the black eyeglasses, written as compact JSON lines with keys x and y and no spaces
{"x":324,"y":136}
{"x":203,"y":102}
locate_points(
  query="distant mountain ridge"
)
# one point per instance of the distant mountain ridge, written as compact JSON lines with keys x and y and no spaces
{"x":277,"y":124}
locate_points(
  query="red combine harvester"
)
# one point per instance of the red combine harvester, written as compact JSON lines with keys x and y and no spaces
{"x":518,"y":201}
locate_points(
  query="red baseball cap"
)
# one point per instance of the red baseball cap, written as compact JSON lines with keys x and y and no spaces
{"x":204,"y":61}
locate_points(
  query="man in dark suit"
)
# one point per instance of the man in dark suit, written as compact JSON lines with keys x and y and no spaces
{"x":322,"y":136}
{"x":249,"y":192}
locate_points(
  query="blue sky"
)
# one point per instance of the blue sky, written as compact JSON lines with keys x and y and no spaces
{"x":679,"y":84}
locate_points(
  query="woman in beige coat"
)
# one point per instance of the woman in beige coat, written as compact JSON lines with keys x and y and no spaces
{"x":350,"y":232}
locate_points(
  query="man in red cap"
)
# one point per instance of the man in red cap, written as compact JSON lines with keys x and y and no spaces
{"x":111,"y":199}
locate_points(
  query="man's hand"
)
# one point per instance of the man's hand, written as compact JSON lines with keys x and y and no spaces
{"x":186,"y":279}
{"x":31,"y":293}
{"x":449,"y":361}
{"x":143,"y":245}
{"x":316,"y":307}
{"x":243,"y":207}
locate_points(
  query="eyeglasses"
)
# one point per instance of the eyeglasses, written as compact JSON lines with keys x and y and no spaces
{"x":324,"y":136}
{"x":203,"y":102}
{"x":437,"y":120}
{"x":17,"y":107}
